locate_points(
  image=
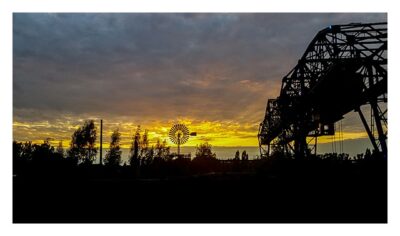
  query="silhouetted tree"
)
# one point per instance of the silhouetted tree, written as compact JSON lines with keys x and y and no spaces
{"x":144,"y":144}
{"x":60,"y":149}
{"x":162,"y":150}
{"x":237,"y":156}
{"x":134,"y":153}
{"x":18,"y":160}
{"x":27,"y":151}
{"x":205,"y":160}
{"x":245,"y":156}
{"x":113,"y":156}
{"x":146,"y":153}
{"x":83,"y":144}
{"x":204,"y":151}
{"x":43,"y":152}
{"x":147,"y":159}
{"x":17,"y":150}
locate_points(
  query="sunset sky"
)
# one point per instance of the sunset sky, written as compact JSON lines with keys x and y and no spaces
{"x":212,"y":72}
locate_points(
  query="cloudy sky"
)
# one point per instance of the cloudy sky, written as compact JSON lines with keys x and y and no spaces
{"x":213,"y":72}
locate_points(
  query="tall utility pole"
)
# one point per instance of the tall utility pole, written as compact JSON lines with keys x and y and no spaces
{"x":101,"y":142}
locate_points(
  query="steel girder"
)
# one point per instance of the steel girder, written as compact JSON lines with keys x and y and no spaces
{"x":343,"y":68}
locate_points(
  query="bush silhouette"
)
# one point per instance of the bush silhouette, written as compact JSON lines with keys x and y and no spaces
{"x":205,"y":160}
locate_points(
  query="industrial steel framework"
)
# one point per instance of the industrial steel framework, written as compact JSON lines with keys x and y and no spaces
{"x":343,"y":68}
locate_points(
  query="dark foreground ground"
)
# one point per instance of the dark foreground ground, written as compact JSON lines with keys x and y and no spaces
{"x":290,"y":192}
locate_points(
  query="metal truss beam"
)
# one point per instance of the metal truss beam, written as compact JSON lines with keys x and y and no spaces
{"x":343,"y":68}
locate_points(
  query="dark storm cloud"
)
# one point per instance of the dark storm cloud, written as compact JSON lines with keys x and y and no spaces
{"x":158,"y":66}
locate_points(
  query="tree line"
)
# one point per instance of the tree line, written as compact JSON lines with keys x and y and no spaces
{"x":83,"y":150}
{"x":145,"y":160}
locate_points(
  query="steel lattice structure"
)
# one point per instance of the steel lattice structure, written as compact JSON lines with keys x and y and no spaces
{"x":343,"y":68}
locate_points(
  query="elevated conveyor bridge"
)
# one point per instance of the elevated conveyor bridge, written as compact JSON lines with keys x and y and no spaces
{"x":343,"y":68}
